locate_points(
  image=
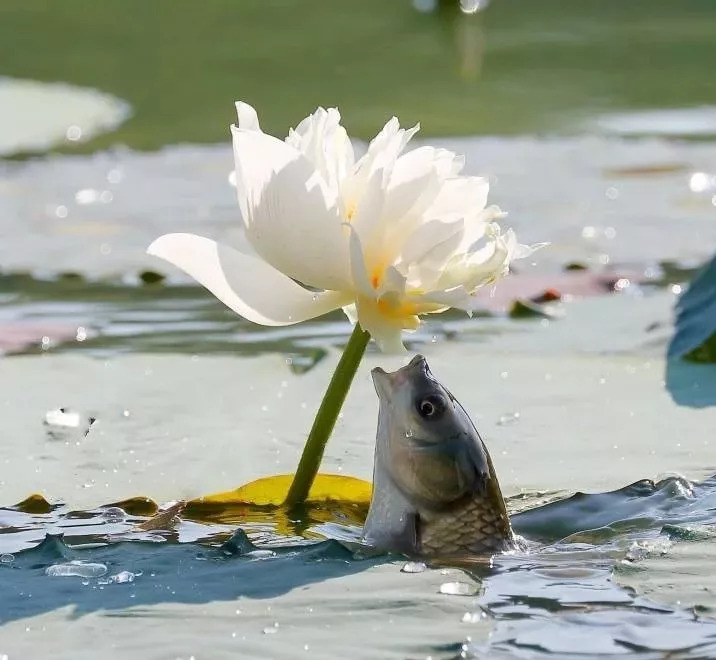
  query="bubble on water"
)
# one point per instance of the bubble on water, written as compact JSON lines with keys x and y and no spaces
{"x":74,"y":133}
{"x":458,"y":589}
{"x":701,"y":182}
{"x":61,"y":211}
{"x":409,"y":433}
{"x":76,"y":569}
{"x":473,"y":6}
{"x":7,"y":558}
{"x":261,"y":554}
{"x":86,"y":196}
{"x":62,"y":417}
{"x":123,"y":577}
{"x":413,"y":567}
{"x":81,"y":334}
{"x":508,"y":418}
{"x":473,"y":617}
{"x":113,"y":514}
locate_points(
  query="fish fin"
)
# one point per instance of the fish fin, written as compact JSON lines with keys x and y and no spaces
{"x":406,"y":541}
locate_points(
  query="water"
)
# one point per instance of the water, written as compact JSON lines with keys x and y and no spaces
{"x":572,"y":592}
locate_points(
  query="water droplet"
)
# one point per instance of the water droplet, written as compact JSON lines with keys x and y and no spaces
{"x":113,"y":514}
{"x":74,"y":133}
{"x":81,"y":334}
{"x":700,"y":182}
{"x":270,"y":630}
{"x":76,"y":569}
{"x":409,"y":433}
{"x":508,"y":418}
{"x":676,"y":289}
{"x":611,"y":193}
{"x":86,"y":196}
{"x":105,"y":249}
{"x":473,"y":617}
{"x":62,"y":416}
{"x":232,"y":178}
{"x":122,"y":577}
{"x":7,"y":558}
{"x":61,"y":211}
{"x":413,"y":567}
{"x":458,"y":589}
{"x":589,"y":232}
{"x":473,"y":6}
{"x":261,"y":554}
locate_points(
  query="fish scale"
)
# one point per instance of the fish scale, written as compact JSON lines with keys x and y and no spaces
{"x":475,"y":527}
{"x":477,"y":524}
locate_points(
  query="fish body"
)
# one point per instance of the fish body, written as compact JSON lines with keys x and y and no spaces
{"x":435,"y":491}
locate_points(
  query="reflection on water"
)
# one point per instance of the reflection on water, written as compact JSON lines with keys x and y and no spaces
{"x":560,"y":598}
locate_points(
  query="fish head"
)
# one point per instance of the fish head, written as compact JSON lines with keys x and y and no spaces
{"x":426,"y":441}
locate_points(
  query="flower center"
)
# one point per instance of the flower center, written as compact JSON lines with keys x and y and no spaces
{"x":376,"y":278}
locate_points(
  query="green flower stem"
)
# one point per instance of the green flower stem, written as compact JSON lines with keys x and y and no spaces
{"x":326,"y":416}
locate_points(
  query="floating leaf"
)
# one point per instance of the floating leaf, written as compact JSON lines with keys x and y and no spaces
{"x":271,"y":491}
{"x":332,"y":498}
{"x":695,"y":337}
{"x":35,"y":503}
{"x":136,"y":506}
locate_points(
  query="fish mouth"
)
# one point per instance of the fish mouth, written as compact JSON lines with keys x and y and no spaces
{"x":386,"y":382}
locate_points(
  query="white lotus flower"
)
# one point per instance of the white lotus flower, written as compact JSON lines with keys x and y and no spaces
{"x":388,"y":237}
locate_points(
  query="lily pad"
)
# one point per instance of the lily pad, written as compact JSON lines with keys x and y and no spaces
{"x":695,"y":337}
{"x":332,"y":497}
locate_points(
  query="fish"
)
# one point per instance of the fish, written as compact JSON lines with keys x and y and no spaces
{"x":435,"y":490}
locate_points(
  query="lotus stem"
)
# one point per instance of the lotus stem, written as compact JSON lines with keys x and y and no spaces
{"x":326,"y":416}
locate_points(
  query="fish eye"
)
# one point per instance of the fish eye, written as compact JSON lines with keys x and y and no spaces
{"x":431,"y":406}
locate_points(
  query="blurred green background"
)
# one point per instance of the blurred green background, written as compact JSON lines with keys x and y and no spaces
{"x":520,"y":66}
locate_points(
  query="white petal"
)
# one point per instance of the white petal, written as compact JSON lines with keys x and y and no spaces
{"x":359,"y":273}
{"x":393,"y":281}
{"x":243,"y":282}
{"x":386,"y":331}
{"x":435,"y":241}
{"x":460,"y":197}
{"x":366,"y":219}
{"x":247,"y":116}
{"x":413,"y":182}
{"x":291,"y":219}
{"x":351,"y":313}
{"x":325,"y":143}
